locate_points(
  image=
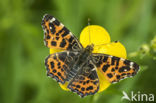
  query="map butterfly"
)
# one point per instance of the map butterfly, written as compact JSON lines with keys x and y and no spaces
{"x":78,"y":65}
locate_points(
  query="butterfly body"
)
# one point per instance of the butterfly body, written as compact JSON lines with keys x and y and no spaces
{"x":78,"y":65}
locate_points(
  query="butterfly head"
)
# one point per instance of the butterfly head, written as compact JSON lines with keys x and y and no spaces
{"x":90,"y":48}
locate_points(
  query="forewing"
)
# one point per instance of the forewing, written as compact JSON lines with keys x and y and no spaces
{"x":115,"y":68}
{"x":56,"y":35}
{"x":58,"y":65}
{"x":86,"y":82}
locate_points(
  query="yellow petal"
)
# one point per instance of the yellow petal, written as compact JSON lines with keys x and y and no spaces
{"x":54,"y":51}
{"x":104,"y":83}
{"x":114,"y":49}
{"x":94,"y":34}
{"x":64,"y":86}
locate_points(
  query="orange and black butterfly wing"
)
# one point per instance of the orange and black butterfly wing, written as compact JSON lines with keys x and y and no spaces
{"x":115,"y":68}
{"x":58,"y":65}
{"x":57,"y":36}
{"x":86,"y":82}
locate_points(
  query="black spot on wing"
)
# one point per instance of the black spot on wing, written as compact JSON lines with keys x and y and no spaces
{"x":71,"y":39}
{"x":116,"y":67}
{"x":56,"y":22}
{"x":54,"y":71}
{"x":48,"y":37}
{"x":110,"y":75}
{"x":82,"y":88}
{"x":127,"y":62}
{"x":105,"y":58}
{"x":89,"y":88}
{"x":53,"y":30}
{"x":59,"y":32}
{"x":95,"y":82}
{"x":115,"y":60}
{"x":47,"y":17}
{"x":84,"y":83}
{"x":62,"y":56}
{"x":113,"y":69}
{"x":69,"y":47}
{"x":63,"y":43}
{"x":62,"y":70}
{"x":123,"y":68}
{"x":105,"y":67}
{"x":87,"y":81}
{"x":57,"y":38}
{"x":58,"y":63}
{"x":123,"y":74}
{"x":52,"y":64}
{"x":53,"y":43}
{"x":66,"y":31}
{"x":47,"y":31}
{"x":59,"y":74}
{"x":136,"y":67}
{"x":77,"y":86}
{"x":118,"y":76}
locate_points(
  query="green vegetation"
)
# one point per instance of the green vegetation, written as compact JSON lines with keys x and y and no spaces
{"x":22,"y":52}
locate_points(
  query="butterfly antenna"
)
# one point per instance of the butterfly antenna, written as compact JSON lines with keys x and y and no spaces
{"x":89,"y":30}
{"x":108,"y":43}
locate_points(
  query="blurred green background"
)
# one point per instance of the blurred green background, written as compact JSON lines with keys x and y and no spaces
{"x":22,"y":52}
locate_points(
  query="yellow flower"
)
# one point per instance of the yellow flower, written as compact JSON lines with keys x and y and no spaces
{"x":102,"y":44}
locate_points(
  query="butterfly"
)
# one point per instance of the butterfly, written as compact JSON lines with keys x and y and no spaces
{"x":78,"y":65}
